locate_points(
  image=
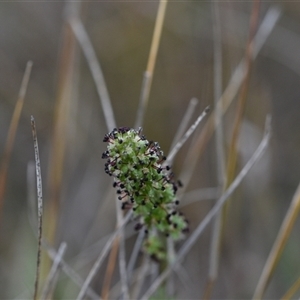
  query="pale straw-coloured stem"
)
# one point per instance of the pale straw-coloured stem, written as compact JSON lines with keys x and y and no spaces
{"x":148,"y":75}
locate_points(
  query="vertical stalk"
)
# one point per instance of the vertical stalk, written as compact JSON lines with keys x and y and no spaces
{"x":148,"y":75}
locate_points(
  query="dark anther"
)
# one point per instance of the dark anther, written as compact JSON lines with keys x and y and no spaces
{"x":124,"y":205}
{"x":186,"y":230}
{"x":115,"y":184}
{"x":138,"y":226}
{"x":106,"y":138}
{"x":177,"y":202}
{"x":175,"y":189}
{"x":123,"y":129}
{"x":105,"y":154}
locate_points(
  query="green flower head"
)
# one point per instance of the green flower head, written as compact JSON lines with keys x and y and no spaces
{"x":143,"y":183}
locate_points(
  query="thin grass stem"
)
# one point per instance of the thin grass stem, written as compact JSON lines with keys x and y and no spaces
{"x":39,"y":204}
{"x":189,"y":132}
{"x":12,"y":133}
{"x":70,"y":272}
{"x":148,"y":75}
{"x":228,"y":95}
{"x":233,"y":151}
{"x":212,"y":213}
{"x":96,"y":71}
{"x":278,"y":246}
{"x":134,"y":254}
{"x":241,"y":104}
{"x":292,"y":290}
{"x":101,"y":257}
{"x":141,"y":277}
{"x":52,"y":276}
{"x":184,"y":122}
{"x":67,"y":63}
{"x":122,"y":267}
{"x":110,"y":269}
{"x":200,"y":195}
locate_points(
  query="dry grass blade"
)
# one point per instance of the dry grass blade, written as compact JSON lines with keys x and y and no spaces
{"x":184,"y":122}
{"x":40,"y":203}
{"x":96,"y":71}
{"x":201,"y":195}
{"x":228,"y":95}
{"x":134,"y":254}
{"x":212,"y":213}
{"x":148,"y":75}
{"x":279,"y":244}
{"x":181,"y":142}
{"x":101,"y":257}
{"x":110,"y":269}
{"x":233,"y":151}
{"x":122,"y":268}
{"x":67,"y":62}
{"x":52,"y":276}
{"x":292,"y":290}
{"x":70,"y":272}
{"x":12,"y":133}
{"x":219,"y":141}
{"x":141,"y":277}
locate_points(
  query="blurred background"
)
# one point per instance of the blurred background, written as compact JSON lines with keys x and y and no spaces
{"x":121,"y":34}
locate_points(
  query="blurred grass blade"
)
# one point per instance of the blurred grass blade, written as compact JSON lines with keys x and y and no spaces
{"x":184,"y":122}
{"x":134,"y":254}
{"x":233,"y":149}
{"x":52,"y":276}
{"x":141,"y":277}
{"x":241,"y":104}
{"x":110,"y":269}
{"x":101,"y":257}
{"x":228,"y":95}
{"x":40,"y":204}
{"x":67,"y":63}
{"x":96,"y":71}
{"x":279,"y":244}
{"x":292,"y":290}
{"x":188,"y":133}
{"x":148,"y":75}
{"x":69,"y":271}
{"x":212,"y":213}
{"x":12,"y":133}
